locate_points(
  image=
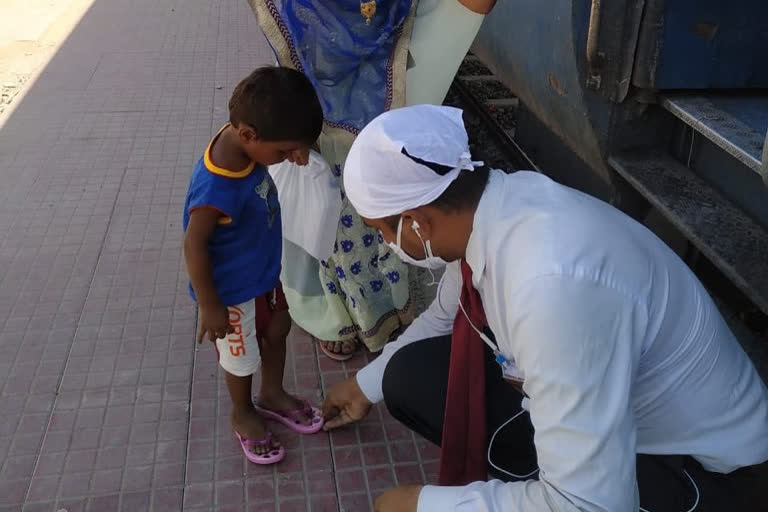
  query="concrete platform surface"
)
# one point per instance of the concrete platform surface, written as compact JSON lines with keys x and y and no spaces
{"x":105,"y":402}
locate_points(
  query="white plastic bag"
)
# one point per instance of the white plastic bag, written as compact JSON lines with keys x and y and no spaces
{"x":310,"y":202}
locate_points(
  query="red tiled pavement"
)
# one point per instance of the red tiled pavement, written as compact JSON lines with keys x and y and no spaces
{"x":105,"y":402}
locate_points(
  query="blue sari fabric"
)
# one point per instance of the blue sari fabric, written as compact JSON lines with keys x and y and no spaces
{"x":362,"y":290}
{"x":349,"y":62}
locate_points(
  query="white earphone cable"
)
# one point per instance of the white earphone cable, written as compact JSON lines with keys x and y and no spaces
{"x":415,"y":226}
{"x":510,"y":420}
{"x":490,"y":445}
{"x":695,"y":488}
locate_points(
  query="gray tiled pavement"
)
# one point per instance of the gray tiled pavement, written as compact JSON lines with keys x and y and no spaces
{"x":105,"y":404}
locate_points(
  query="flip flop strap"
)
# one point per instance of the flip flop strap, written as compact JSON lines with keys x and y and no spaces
{"x":265,"y":441}
{"x":294,"y":413}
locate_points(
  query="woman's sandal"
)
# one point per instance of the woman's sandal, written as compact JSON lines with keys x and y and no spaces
{"x":336,"y":356}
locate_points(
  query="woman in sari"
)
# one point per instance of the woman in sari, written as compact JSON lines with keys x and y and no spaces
{"x":364,"y":57}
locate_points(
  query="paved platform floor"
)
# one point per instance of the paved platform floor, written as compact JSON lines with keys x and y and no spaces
{"x":105,"y":402}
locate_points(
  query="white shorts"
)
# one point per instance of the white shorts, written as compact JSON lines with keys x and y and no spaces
{"x":239,"y":352}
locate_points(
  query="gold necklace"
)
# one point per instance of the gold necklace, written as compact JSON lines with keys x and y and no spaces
{"x":368,"y":10}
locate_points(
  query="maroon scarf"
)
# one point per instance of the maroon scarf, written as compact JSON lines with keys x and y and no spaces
{"x":462,"y":456}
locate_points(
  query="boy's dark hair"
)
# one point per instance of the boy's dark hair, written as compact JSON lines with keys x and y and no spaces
{"x":464,"y":192}
{"x":279,"y":103}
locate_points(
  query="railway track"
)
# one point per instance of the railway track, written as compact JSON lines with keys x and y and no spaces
{"x":490,"y":113}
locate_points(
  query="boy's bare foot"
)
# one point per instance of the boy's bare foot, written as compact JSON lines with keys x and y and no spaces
{"x":251,"y":426}
{"x":284,"y":402}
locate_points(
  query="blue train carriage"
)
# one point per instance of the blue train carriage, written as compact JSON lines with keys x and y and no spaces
{"x":661,"y":108}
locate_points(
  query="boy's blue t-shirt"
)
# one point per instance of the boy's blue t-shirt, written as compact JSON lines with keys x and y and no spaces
{"x":246,"y":247}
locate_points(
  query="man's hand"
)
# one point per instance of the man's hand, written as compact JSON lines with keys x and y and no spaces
{"x":399,"y":499}
{"x":345,"y":403}
{"x":299,"y":157}
{"x":278,"y":327}
{"x":214,"y":321}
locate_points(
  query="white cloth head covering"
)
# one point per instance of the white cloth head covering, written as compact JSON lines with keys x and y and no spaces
{"x":381,"y":181}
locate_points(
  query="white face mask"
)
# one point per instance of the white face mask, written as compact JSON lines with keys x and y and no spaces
{"x":431,"y":262}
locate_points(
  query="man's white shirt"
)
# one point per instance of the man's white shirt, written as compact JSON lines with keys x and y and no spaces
{"x":621,"y":348}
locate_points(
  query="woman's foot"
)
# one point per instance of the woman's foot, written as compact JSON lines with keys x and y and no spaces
{"x":249,"y":425}
{"x":397,"y":333}
{"x":339,"y":350}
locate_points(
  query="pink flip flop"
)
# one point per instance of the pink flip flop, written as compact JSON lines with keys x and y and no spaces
{"x":271,"y":457}
{"x":291,"y":419}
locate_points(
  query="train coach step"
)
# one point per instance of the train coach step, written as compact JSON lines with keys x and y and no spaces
{"x":736,"y":123}
{"x":728,"y":237}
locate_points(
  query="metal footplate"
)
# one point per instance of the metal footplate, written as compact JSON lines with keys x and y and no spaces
{"x":736,"y":123}
{"x":764,"y":166}
{"x":728,"y":237}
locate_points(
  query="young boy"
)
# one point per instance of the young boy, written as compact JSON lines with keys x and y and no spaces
{"x":233,"y":247}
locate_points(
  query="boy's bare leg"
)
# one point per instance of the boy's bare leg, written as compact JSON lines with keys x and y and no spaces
{"x":272,"y":395}
{"x":245,"y":420}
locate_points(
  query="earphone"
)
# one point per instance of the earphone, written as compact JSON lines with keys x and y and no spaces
{"x":415,"y":226}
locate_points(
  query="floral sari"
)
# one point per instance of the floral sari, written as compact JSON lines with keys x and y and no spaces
{"x":359,"y":70}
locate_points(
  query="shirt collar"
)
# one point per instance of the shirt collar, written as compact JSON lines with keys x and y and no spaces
{"x":215,"y":169}
{"x":490,"y":206}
